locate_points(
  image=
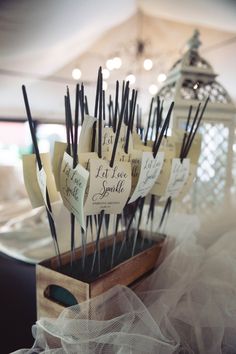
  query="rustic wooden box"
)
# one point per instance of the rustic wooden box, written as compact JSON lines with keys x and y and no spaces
{"x":125,"y":273}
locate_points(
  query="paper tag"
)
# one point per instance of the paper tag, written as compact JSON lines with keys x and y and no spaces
{"x":150,"y":170}
{"x":168,"y":147}
{"x":31,"y":179}
{"x":42,"y":182}
{"x":188,"y":184}
{"x":85,"y":157}
{"x":145,"y":148}
{"x":109,"y":187}
{"x":123,"y":157}
{"x":86,"y":134}
{"x":195,"y":149}
{"x":136,"y":161}
{"x":73,"y":183}
{"x":108,"y":138}
{"x":122,"y":139}
{"x":137,"y":142}
{"x":59,"y":149}
{"x":150,"y":143}
{"x":178,"y":177}
{"x":84,"y":160}
{"x":169,"y":144}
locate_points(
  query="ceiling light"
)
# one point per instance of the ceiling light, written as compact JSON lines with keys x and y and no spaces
{"x":153,"y":89}
{"x":104,"y":85}
{"x":147,"y":64}
{"x":76,"y":74}
{"x":110,"y":64}
{"x":105,"y":73}
{"x":131,"y":78}
{"x":161,"y":77}
{"x":117,"y":62}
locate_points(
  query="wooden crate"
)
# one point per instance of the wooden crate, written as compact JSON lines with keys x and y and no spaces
{"x":125,"y":273}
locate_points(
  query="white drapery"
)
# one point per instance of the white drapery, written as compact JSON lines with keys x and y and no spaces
{"x":188,"y":305}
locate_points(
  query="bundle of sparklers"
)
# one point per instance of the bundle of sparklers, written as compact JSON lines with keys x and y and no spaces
{"x":112,"y":171}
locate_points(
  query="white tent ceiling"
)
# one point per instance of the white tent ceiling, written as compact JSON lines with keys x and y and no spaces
{"x":42,"y":41}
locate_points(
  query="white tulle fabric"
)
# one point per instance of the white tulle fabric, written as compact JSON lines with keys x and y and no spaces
{"x":188,"y":305}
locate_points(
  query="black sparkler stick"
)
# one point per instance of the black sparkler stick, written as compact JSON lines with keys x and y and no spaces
{"x":116,"y":107}
{"x":149,"y":120}
{"x":124,"y":103}
{"x":69,"y":114}
{"x":101,"y":216}
{"x":75,"y":161}
{"x":196,"y":128}
{"x":128,"y":132}
{"x":134,"y":110}
{"x":165,"y":125}
{"x":185,"y":133}
{"x":39,"y":162}
{"x":86,"y":108}
{"x":141,"y":204}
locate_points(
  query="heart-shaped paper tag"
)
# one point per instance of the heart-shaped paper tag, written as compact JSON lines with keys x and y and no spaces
{"x":178,"y":177}
{"x":150,"y":170}
{"x":109,"y":187}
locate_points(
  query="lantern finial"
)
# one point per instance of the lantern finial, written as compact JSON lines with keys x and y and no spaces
{"x":194,"y":42}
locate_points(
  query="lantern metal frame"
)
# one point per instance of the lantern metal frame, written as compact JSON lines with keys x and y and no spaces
{"x":190,"y":80}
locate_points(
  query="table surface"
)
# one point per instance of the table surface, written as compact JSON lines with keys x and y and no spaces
{"x":18,"y":304}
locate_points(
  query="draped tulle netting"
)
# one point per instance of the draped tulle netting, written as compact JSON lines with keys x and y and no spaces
{"x":188,"y":305}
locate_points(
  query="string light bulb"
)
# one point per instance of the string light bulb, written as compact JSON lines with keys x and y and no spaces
{"x":76,"y":73}
{"x":110,"y":64}
{"x":148,"y":64}
{"x":131,"y":78}
{"x":105,"y":73}
{"x":153,"y":89}
{"x":104,"y":85}
{"x":161,"y":77}
{"x":117,"y":62}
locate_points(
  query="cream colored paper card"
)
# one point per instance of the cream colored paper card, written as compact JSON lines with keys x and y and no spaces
{"x":86,"y":134}
{"x":108,"y":138}
{"x":85,"y":157}
{"x":73,"y":182}
{"x":42,"y":182}
{"x":109,"y":187}
{"x":195,"y":149}
{"x":136,"y":161}
{"x":59,"y":149}
{"x":108,"y":142}
{"x":122,"y":139}
{"x":161,"y":182}
{"x":123,"y":157}
{"x":137,"y":142}
{"x":150,"y":170}
{"x":168,"y":147}
{"x":169,"y":144}
{"x":188,"y":184}
{"x":145,"y":148}
{"x":84,"y":160}
{"x":150,"y":143}
{"x":31,"y":180}
{"x":178,"y":177}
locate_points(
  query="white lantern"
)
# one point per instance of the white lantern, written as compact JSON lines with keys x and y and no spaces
{"x":190,"y":80}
